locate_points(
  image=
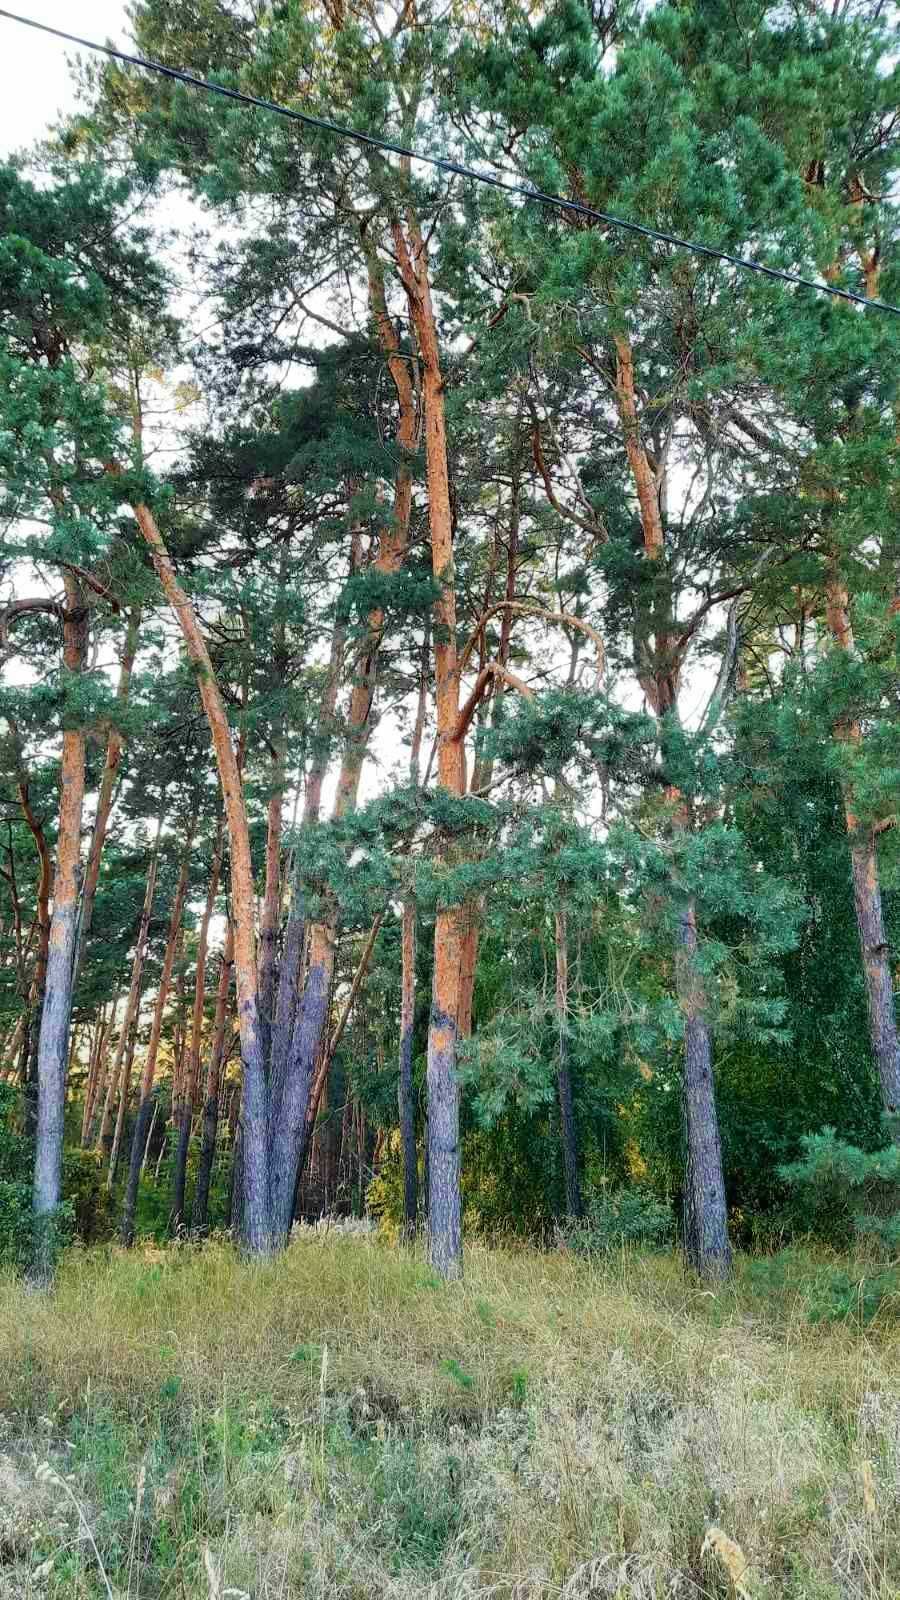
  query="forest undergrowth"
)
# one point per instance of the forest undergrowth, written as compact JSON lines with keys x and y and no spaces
{"x":339,"y":1423}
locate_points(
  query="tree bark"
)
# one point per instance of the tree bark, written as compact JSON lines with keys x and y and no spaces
{"x":200,"y":1213}
{"x":290,"y":974}
{"x":659,"y":651}
{"x":53,"y":1041}
{"x":444,"y":1201}
{"x":256,"y":1184}
{"x":705,"y":1212}
{"x":124,"y":1098}
{"x":309,"y":1029}
{"x":88,"y":1127}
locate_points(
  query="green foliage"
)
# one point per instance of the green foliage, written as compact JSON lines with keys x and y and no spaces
{"x":827,"y":1292}
{"x":620,"y":1219}
{"x":422,"y":1507}
{"x":22,"y":1235}
{"x":92,"y":1208}
{"x":843,"y":1191}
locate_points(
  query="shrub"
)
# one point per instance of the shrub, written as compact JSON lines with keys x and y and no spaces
{"x":842,"y":1193}
{"x":92,"y":1207}
{"x":826,"y":1290}
{"x":619,"y":1219}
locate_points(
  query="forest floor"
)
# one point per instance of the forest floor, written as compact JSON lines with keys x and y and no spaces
{"x":338,"y":1424}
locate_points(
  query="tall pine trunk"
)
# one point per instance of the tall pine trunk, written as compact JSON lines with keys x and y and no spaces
{"x":53,"y":1040}
{"x":705,"y":1214}
{"x":660,"y":658}
{"x":290,"y":973}
{"x":257,"y":1226}
{"x":444,"y":1200}
{"x":31,"y":1020}
{"x":93,"y":1075}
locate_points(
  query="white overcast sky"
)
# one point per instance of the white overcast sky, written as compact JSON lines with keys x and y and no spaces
{"x":35,"y":77}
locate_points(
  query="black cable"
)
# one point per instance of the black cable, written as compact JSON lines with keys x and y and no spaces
{"x":558,"y":202}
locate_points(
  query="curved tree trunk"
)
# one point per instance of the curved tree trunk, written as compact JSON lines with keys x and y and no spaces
{"x":255,"y":1110}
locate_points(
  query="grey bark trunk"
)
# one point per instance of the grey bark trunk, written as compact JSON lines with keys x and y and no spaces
{"x":290,"y":1130}
{"x":53,"y":1056}
{"x":53,"y":1040}
{"x":706,"y":1244}
{"x":879,"y":979}
{"x":286,"y":1004}
{"x":444,"y":1202}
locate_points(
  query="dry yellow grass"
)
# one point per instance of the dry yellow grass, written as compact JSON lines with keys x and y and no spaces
{"x":338,"y":1424}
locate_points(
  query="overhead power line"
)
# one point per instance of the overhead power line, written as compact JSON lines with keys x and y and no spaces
{"x":523,"y":191}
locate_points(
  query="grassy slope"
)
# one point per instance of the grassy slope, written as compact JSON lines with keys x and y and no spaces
{"x":337,"y":1424}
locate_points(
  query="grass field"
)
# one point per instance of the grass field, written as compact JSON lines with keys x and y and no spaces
{"x":178,"y":1424}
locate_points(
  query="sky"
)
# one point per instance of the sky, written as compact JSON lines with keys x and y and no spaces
{"x":35,"y":79}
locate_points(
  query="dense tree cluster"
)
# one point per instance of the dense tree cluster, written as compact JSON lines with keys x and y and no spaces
{"x":450,"y":731}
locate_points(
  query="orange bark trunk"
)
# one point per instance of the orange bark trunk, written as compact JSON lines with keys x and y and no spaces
{"x":444,"y":1203}
{"x":255,"y":1145}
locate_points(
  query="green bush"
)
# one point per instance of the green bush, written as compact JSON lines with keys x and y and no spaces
{"x":828,"y":1292}
{"x":844,"y":1194}
{"x":87,"y":1210}
{"x":618,"y":1219}
{"x":92,"y":1207}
